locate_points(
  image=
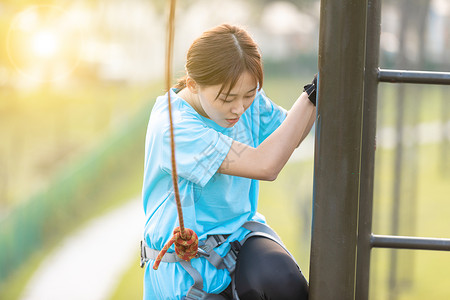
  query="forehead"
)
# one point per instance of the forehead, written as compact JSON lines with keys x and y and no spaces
{"x":245,"y":83}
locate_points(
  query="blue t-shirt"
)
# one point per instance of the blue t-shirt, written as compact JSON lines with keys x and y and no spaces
{"x":212,"y":203}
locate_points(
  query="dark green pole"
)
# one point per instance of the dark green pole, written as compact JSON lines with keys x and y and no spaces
{"x":368,"y":149}
{"x":338,"y":149}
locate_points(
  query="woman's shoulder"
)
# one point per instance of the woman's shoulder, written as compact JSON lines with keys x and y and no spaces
{"x":183,"y":114}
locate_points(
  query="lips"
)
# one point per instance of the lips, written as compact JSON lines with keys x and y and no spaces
{"x":233,"y":121}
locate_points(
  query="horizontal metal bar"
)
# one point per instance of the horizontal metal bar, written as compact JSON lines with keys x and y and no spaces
{"x":406,"y":242}
{"x":424,"y":77}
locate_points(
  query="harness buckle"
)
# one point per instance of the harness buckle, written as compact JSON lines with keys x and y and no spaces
{"x":201,"y":252}
{"x":144,"y":258}
{"x":230,"y":259}
{"x":235,"y":247}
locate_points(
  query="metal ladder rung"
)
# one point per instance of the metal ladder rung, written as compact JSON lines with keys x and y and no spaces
{"x":406,"y":242}
{"x":403,"y":76}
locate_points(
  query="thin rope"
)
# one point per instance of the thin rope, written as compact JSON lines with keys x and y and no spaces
{"x":185,"y":239}
{"x":169,"y":54}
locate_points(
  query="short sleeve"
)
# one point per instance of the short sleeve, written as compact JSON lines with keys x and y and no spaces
{"x":270,"y":116}
{"x":199,"y":150}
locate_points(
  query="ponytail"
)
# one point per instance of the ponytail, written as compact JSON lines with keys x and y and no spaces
{"x":181,"y":83}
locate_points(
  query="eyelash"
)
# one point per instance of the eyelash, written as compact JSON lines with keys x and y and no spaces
{"x":229,"y":101}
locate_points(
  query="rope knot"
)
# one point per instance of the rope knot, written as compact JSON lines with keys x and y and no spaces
{"x":186,"y":246}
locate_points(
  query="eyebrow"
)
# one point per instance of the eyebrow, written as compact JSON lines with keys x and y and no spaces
{"x":233,"y":95}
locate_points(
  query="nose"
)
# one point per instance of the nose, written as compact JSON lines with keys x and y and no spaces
{"x":238,"y":107}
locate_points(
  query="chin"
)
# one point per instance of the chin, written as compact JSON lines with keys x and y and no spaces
{"x":228,"y":125}
{"x":223,"y":124}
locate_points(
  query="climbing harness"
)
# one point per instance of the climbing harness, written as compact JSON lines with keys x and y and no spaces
{"x":206,"y":250}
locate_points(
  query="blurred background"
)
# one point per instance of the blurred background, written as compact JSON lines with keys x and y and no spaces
{"x":77,"y":83}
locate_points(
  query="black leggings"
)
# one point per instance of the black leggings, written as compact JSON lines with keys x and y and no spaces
{"x":264,"y":270}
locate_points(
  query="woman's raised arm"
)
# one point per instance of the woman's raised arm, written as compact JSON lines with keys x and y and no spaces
{"x":267,"y":160}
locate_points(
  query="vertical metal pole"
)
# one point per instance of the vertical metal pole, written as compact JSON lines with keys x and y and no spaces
{"x":338,"y":149}
{"x":368,"y":149}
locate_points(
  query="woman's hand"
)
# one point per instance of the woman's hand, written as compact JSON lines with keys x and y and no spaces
{"x":310,"y":89}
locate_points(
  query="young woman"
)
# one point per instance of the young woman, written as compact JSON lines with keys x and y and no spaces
{"x":228,"y":135}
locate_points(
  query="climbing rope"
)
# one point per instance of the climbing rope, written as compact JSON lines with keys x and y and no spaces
{"x":185,"y":239}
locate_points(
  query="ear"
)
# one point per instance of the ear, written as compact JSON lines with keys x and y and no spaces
{"x":192,"y":85}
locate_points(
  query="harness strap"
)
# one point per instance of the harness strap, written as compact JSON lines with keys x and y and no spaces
{"x":149,"y":253}
{"x":213,"y":241}
{"x":227,"y":262}
{"x":198,"y":279}
{"x":206,"y":249}
{"x":260,"y":229}
{"x":196,"y":290}
{"x":254,"y":226}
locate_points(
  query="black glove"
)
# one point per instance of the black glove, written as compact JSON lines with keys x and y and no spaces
{"x":310,"y":89}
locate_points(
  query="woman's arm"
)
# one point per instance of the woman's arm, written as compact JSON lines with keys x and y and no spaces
{"x":309,"y":126}
{"x":267,"y":160}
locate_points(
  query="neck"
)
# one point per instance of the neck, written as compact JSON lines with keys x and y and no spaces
{"x":193,"y":101}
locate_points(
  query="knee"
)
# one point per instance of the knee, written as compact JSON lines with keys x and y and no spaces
{"x":299,"y":286}
{"x":289,"y":284}
{"x":265,"y":271}
{"x":279,"y":279}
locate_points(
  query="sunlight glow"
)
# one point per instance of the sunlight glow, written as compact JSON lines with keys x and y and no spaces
{"x":45,"y":43}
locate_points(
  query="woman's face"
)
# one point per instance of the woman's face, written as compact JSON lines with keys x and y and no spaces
{"x":226,"y":111}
